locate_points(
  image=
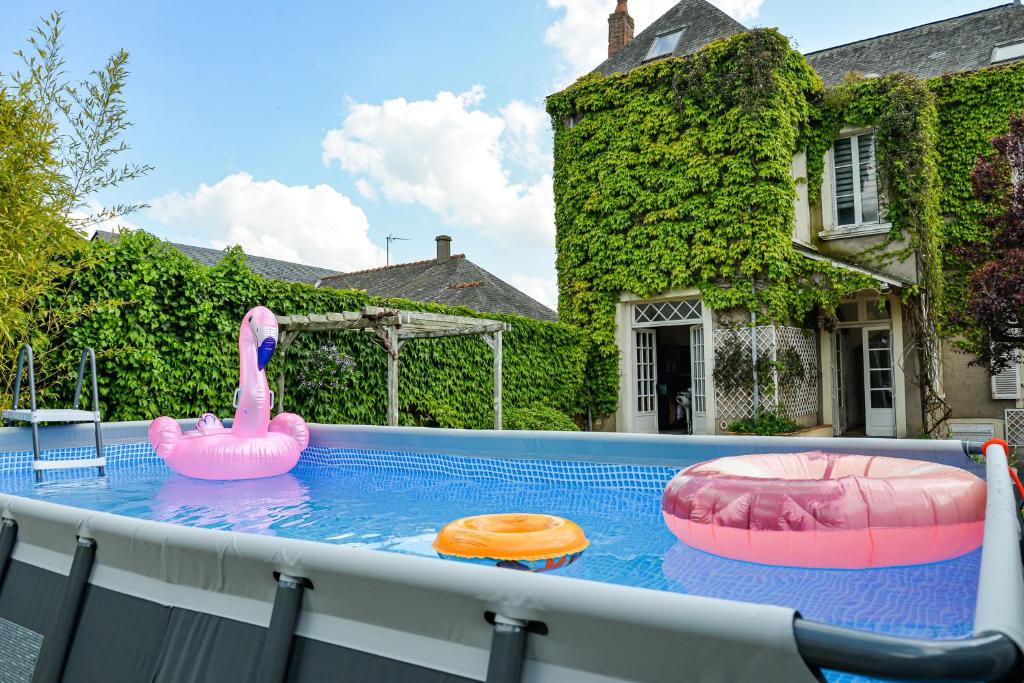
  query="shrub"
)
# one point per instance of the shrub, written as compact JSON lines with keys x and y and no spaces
{"x":538,"y":417}
{"x":765,"y":424}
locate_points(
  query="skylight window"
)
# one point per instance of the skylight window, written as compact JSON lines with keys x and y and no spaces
{"x":1008,"y":51}
{"x":665,"y":44}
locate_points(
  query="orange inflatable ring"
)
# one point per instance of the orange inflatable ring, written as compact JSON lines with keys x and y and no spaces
{"x":514,"y":540}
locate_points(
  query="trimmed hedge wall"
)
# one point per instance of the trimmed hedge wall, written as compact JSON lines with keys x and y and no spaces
{"x":166,"y":331}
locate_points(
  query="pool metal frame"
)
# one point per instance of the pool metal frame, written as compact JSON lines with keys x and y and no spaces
{"x":501,"y":627}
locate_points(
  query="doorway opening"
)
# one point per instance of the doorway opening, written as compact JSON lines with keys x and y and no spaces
{"x":864,"y":401}
{"x":675,"y":380}
{"x":671,"y":384}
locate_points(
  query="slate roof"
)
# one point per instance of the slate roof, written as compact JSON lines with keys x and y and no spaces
{"x":961,"y":43}
{"x":455,"y":282}
{"x":704,"y":24}
{"x":267,"y":267}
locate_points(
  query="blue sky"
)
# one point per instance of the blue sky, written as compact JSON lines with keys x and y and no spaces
{"x":310,"y":130}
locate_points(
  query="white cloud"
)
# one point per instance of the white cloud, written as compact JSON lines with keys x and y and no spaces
{"x":313,"y":225}
{"x":527,"y":132}
{"x":452,"y":157}
{"x":366,"y":189}
{"x":543,"y":289}
{"x":581,"y":34}
{"x":740,"y":10}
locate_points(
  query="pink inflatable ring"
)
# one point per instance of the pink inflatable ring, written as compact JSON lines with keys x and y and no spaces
{"x":825,"y":510}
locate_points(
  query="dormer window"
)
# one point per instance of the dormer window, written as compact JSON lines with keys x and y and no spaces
{"x":665,"y":44}
{"x":1008,"y":51}
{"x":572,"y":120}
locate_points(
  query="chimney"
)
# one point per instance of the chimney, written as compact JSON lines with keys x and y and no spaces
{"x":620,"y":28}
{"x":444,"y":248}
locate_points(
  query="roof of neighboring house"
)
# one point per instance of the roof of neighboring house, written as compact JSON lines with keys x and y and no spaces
{"x":704,"y":23}
{"x":456,"y":281}
{"x":267,"y":267}
{"x":961,"y":43}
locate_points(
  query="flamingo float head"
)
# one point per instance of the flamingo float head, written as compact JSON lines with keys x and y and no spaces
{"x":263,"y":325}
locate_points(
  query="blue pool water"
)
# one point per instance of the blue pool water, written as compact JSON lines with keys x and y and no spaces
{"x":398,"y":502}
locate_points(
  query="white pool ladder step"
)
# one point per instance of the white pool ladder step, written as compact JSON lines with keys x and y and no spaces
{"x":34,"y":414}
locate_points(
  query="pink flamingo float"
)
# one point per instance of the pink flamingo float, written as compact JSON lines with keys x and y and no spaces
{"x":255,"y":446}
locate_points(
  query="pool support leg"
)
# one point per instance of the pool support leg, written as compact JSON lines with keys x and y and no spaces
{"x":508,"y":650}
{"x":54,"y":653}
{"x":8,"y":535}
{"x":277,"y":644}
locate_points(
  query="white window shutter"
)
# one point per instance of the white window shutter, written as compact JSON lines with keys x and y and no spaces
{"x":1006,"y":384}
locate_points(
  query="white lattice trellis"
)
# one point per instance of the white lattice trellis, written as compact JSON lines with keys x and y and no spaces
{"x":1015,"y":427}
{"x":795,"y":399}
{"x":800,"y":398}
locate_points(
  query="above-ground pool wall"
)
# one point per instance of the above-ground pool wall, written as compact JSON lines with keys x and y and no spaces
{"x":164,"y":602}
{"x":337,"y":441}
{"x":185,"y":603}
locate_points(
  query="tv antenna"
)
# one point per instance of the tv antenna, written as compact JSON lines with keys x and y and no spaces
{"x":387,"y":249}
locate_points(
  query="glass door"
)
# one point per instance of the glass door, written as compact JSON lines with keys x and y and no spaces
{"x":699,"y":403}
{"x":879,"y":399}
{"x":645,"y":365}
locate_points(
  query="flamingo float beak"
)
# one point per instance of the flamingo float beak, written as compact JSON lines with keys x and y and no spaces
{"x":265,"y":337}
{"x":264,"y":351}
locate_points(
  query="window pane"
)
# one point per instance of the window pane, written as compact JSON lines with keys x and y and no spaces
{"x":879,"y":359}
{"x":843,"y":152}
{"x":881,"y":379}
{"x":664,"y":45}
{"x":878,"y":339}
{"x":881,"y":399}
{"x":843,"y":155}
{"x":847,"y":313}
{"x":868,"y":178}
{"x":877,"y":312}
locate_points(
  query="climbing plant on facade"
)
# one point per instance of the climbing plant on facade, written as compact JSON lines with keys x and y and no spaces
{"x":677,"y":175}
{"x":901,"y":111}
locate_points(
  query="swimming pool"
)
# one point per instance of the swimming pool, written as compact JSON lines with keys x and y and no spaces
{"x":363,"y":489}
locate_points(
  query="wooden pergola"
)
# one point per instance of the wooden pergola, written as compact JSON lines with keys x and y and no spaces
{"x":391,"y":329}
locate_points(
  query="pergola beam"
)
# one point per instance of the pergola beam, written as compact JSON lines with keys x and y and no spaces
{"x":392,"y":329}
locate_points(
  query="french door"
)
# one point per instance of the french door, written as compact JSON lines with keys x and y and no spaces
{"x":645,"y":365}
{"x":699,"y":400}
{"x":880,"y":408}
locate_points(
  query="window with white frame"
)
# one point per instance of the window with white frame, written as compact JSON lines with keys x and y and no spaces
{"x":855,"y":182}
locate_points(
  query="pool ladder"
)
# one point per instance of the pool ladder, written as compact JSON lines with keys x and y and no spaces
{"x":34,"y":415}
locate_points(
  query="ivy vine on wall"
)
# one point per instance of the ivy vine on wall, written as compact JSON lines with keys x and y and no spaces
{"x":678,"y":175}
{"x":166,"y":331}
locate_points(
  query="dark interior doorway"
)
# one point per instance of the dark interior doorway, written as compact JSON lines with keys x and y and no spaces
{"x":674,"y":375}
{"x":851,"y":348}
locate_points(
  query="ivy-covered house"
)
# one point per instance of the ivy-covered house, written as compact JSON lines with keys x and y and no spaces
{"x":721,"y":198}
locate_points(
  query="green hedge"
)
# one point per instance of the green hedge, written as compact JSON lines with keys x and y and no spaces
{"x":166,"y":331}
{"x":538,"y":417}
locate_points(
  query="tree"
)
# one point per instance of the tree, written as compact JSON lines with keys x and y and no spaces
{"x":996,"y":288}
{"x":59,"y":143}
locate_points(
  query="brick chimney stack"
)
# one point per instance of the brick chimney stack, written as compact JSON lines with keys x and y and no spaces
{"x":444,"y":248}
{"x":620,"y":28}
